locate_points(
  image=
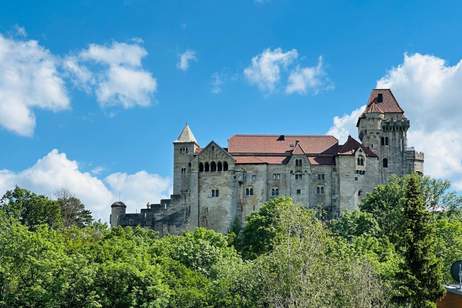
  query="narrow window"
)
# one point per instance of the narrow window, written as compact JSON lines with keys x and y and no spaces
{"x":201,"y":167}
{"x":379,"y":98}
{"x":220,"y":166}
{"x":183,"y":170}
{"x":360,"y":193}
{"x":360,"y":161}
{"x":249,"y":191}
{"x":215,"y":193}
{"x":298,"y":162}
{"x":213,"y":166}
{"x":318,"y":190}
{"x":225,"y":166}
{"x":275,"y":191}
{"x":298,"y":176}
{"x":276,"y":176}
{"x":206,"y":168}
{"x":385,"y":163}
{"x":299,"y":191}
{"x":382,"y":141}
{"x":322,"y":189}
{"x":386,"y":140}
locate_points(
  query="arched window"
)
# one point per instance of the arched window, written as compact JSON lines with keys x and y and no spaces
{"x":385,"y":163}
{"x":219,"y":166}
{"x":225,"y":166}
{"x":206,"y":167}
{"x":201,"y":167}
{"x":213,"y":166}
{"x":360,"y":160}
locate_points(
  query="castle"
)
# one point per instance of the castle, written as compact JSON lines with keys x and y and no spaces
{"x":215,"y":187}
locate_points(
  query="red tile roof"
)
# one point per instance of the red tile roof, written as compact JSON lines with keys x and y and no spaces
{"x":275,"y":144}
{"x":271,"y":160}
{"x":350,"y":147}
{"x":389,"y":103}
{"x":298,"y":150}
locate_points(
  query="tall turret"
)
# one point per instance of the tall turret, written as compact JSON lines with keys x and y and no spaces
{"x":383,"y":128}
{"x":117,"y":209}
{"x":184,"y":149}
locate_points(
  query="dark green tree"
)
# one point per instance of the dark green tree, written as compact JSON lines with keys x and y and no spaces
{"x":420,"y":277}
{"x":257,"y":236}
{"x":73,"y":210}
{"x":31,"y":209}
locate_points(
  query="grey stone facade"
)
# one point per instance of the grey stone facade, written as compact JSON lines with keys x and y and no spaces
{"x":215,"y":186}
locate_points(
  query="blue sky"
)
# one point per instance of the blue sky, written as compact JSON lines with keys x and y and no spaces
{"x":346,"y":47}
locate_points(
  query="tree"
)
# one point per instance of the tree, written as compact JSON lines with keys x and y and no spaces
{"x":420,"y":276}
{"x":31,"y":209}
{"x":260,"y":229}
{"x":73,"y":210}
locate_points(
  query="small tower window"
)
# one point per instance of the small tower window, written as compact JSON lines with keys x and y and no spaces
{"x":225,"y":166}
{"x":299,"y":191}
{"x":183,"y":170}
{"x":206,"y":167}
{"x":385,"y":163}
{"x":219,"y":166}
{"x":213,"y":166}
{"x":215,"y":193}
{"x":275,"y":191}
{"x":249,"y":191}
{"x":379,"y":98}
{"x":201,"y":167}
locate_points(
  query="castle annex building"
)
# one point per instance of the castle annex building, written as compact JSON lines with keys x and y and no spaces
{"x":213,"y":186}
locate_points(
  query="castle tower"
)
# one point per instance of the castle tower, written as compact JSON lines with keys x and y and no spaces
{"x":184,"y":149}
{"x":118,"y":209}
{"x":383,"y":128}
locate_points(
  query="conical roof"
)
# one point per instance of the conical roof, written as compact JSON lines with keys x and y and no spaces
{"x":186,"y":135}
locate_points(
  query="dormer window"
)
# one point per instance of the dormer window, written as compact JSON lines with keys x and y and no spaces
{"x":379,"y":98}
{"x":360,"y":160}
{"x":298,"y":162}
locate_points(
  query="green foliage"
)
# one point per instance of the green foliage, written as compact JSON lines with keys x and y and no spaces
{"x":420,"y":277}
{"x":31,"y":209}
{"x":260,"y":230}
{"x":73,"y":211}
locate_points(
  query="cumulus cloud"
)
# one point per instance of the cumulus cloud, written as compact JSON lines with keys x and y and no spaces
{"x":265,"y":68}
{"x":29,"y":79}
{"x":114,"y":73}
{"x":266,"y":71}
{"x":346,"y":125}
{"x":304,"y":79}
{"x":429,"y":91}
{"x":185,"y":59}
{"x":55,"y":171}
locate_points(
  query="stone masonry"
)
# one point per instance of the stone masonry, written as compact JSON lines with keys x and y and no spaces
{"x":215,"y":187}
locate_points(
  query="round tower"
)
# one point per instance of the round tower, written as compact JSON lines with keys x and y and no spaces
{"x":118,"y":209}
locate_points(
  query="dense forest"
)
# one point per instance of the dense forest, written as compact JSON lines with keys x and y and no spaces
{"x":395,"y":251}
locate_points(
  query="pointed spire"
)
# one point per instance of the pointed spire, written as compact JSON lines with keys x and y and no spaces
{"x":186,"y":135}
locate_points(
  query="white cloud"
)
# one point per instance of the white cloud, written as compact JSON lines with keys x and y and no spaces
{"x":29,"y":79}
{"x":217,"y":83}
{"x":265,"y":69}
{"x":185,"y":58}
{"x":139,"y":188}
{"x":430,"y":91}
{"x":346,"y":125}
{"x":55,"y":171}
{"x":304,"y":79}
{"x":114,"y":73}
